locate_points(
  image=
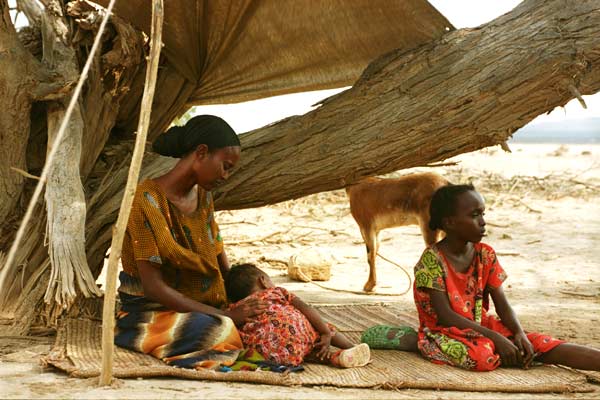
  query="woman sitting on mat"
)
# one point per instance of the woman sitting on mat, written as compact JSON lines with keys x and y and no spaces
{"x":453,"y":280}
{"x":289,"y":329}
{"x":171,"y":286}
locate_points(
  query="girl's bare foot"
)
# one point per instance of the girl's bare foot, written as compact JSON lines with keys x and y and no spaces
{"x":357,"y":356}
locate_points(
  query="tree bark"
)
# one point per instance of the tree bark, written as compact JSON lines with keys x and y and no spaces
{"x":471,"y":89}
{"x":21,"y":76}
{"x":65,"y":200}
{"x":111,"y":77}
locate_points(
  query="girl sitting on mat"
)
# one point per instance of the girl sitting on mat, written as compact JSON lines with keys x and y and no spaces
{"x":289,"y":330}
{"x":453,"y":280}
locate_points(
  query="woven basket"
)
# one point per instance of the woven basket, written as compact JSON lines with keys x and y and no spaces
{"x":311,"y":264}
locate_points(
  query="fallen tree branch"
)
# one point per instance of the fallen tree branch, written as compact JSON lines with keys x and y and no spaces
{"x":65,"y":199}
{"x":53,"y":90}
{"x":54,"y":147}
{"x":471,"y":89}
{"x":25,"y":173}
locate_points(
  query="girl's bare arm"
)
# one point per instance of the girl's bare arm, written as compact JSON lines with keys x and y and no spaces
{"x":505,"y":311}
{"x":508,"y":352}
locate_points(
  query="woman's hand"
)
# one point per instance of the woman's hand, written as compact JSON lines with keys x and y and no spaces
{"x":525,"y":348}
{"x":508,"y":351}
{"x":323,"y":345}
{"x":246,"y":309}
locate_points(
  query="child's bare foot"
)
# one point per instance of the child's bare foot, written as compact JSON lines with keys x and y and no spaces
{"x":391,"y":337}
{"x":357,"y":356}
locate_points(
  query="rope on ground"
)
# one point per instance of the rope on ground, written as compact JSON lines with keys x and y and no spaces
{"x":403,"y":270}
{"x":356,"y":291}
{"x":371,"y":293}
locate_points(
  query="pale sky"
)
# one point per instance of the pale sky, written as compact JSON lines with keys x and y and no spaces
{"x":461,"y":13}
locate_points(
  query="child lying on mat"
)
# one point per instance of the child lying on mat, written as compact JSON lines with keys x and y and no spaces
{"x":290,"y":330}
{"x":453,"y":280}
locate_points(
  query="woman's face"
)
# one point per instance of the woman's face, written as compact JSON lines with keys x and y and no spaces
{"x":213,"y":168}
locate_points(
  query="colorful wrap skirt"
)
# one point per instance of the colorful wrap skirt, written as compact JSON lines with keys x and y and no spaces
{"x":186,"y":340}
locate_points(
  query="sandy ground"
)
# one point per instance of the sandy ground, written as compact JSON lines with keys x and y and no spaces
{"x":543,"y":220}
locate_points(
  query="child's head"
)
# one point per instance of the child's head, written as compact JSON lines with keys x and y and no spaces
{"x":458,"y":210}
{"x":245,"y":279}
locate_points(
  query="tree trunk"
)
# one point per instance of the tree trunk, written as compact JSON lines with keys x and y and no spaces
{"x":470,"y":89}
{"x":65,"y":200}
{"x":111,"y":76}
{"x":21,"y":77}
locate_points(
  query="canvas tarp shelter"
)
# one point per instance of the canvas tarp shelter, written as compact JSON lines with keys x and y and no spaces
{"x":216,"y":51}
{"x":234,"y":51}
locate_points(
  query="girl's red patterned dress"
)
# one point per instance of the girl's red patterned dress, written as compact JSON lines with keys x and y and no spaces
{"x":468,"y":296}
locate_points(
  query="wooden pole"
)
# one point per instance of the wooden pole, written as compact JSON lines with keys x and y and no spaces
{"x":108,"y":314}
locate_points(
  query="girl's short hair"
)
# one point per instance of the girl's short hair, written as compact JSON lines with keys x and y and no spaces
{"x":443,"y":203}
{"x":240,"y":281}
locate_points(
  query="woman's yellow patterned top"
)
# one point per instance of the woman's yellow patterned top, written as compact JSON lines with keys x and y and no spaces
{"x":185,"y":247}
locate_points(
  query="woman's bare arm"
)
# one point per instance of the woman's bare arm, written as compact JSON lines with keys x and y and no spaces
{"x":223,"y":264}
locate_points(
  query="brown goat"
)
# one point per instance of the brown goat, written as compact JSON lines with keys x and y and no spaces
{"x":378,"y":203}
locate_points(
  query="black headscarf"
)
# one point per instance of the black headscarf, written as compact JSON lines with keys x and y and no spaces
{"x":210,"y":130}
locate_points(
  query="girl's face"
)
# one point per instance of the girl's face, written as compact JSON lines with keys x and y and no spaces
{"x":213,"y":168}
{"x":467,"y":223}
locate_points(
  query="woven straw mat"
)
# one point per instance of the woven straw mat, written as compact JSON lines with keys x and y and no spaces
{"x":78,"y":352}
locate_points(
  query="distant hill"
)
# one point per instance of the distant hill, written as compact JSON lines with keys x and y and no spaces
{"x":568,"y":131}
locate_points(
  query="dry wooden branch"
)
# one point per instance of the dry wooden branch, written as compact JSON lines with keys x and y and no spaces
{"x":263,"y":238}
{"x":441,"y":164}
{"x":237,"y":222}
{"x":572,"y":293}
{"x":272,"y":260}
{"x":528,"y":207}
{"x":577,"y":95}
{"x":108,"y":314}
{"x":65,"y":198}
{"x":32,"y":11}
{"x":413,"y":108}
{"x":25,"y":173}
{"x":6,"y":269}
{"x":497,"y":225}
{"x":52,"y":90}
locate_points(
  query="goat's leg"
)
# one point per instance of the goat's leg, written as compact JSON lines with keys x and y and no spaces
{"x":370,"y":238}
